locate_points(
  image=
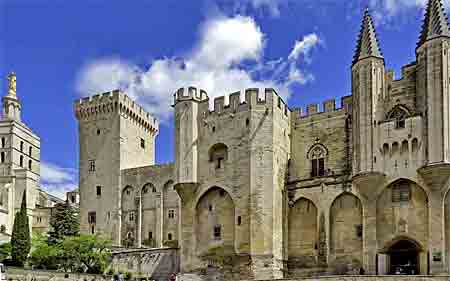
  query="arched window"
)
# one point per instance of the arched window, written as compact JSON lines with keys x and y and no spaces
{"x":218,"y":154}
{"x":317,"y":155}
{"x":2,"y":156}
{"x":3,"y":142}
{"x":401,"y":191}
{"x":30,"y":151}
{"x":399,"y":114}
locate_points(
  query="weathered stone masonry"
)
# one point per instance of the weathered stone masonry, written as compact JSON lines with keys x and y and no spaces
{"x":265,"y":192}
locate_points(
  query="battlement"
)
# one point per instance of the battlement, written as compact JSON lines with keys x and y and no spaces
{"x":115,"y":102}
{"x":190,"y":93}
{"x":251,"y":98}
{"x":406,"y":72}
{"x":328,"y":106}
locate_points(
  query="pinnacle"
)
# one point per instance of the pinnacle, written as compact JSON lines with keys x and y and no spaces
{"x":435,"y":23}
{"x":367,"y":45}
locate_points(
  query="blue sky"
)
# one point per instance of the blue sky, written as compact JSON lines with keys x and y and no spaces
{"x":62,"y":50}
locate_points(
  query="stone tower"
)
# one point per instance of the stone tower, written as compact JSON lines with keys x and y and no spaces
{"x":236,"y":153}
{"x":433,"y":83}
{"x":187,"y":119}
{"x":19,"y":159}
{"x":367,"y":89}
{"x":433,"y":63}
{"x":114,"y":134}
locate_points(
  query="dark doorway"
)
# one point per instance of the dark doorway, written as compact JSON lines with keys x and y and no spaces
{"x":404,"y":258}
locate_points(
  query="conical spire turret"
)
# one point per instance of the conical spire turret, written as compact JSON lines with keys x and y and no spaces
{"x":435,"y":23}
{"x":367,"y":45}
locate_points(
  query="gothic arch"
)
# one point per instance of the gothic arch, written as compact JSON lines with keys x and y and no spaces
{"x":317,"y":150}
{"x":215,"y":221}
{"x":171,"y":210}
{"x":398,"y":111}
{"x":402,"y":211}
{"x":303,"y":232}
{"x":346,"y":227}
{"x":129,"y":214}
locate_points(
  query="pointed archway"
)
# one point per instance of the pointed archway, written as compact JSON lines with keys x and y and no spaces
{"x":402,"y":256}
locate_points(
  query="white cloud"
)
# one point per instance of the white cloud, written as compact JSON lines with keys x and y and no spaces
{"x":57,"y":180}
{"x":227,"y":57}
{"x":385,"y":11}
{"x":263,"y":7}
{"x":304,"y":47}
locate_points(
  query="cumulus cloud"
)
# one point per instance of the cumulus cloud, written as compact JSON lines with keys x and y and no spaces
{"x":57,"y":180}
{"x":227,"y":57}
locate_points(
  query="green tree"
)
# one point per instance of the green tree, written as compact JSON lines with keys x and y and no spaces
{"x":63,"y":222}
{"x":88,"y":253}
{"x":5,"y":251}
{"x":20,"y":239}
{"x":43,"y":255}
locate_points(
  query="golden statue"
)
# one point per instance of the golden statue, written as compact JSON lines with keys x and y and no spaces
{"x":12,"y":84}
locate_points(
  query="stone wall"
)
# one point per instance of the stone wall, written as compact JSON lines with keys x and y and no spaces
{"x":20,"y":274}
{"x":157,"y":264}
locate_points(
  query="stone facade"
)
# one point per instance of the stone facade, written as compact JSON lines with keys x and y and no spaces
{"x":267,"y":192}
{"x":19,"y":162}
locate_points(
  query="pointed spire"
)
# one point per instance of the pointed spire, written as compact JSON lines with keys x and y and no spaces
{"x":435,"y":23}
{"x":367,"y":45}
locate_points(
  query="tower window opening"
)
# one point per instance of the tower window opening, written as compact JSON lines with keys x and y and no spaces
{"x":2,"y":156}
{"x":99,"y":190}
{"x":359,"y":230}
{"x":21,"y":161}
{"x":317,"y":155}
{"x":21,"y":146}
{"x":3,"y":142}
{"x":217,"y":232}
{"x":401,"y":192}
{"x":150,"y":235}
{"x":30,"y":164}
{"x":399,"y":114}
{"x":318,"y":167}
{"x":171,"y":214}
{"x":131,"y":217}
{"x":30,"y":151}
{"x":239,"y":220}
{"x":91,"y":165}
{"x":169,"y":236}
{"x":92,"y":217}
{"x":98,"y":132}
{"x":142,"y":143}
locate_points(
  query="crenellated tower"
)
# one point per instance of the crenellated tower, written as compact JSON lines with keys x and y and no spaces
{"x":367,"y":89}
{"x":115,"y":133}
{"x":188,"y":103}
